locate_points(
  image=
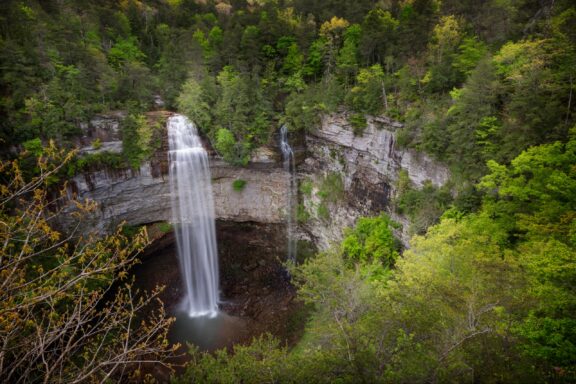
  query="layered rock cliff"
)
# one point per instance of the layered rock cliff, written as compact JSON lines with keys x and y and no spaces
{"x":369,"y":166}
{"x":143,"y":196}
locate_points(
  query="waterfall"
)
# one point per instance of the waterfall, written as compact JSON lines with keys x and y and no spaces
{"x":193,"y":217}
{"x":289,"y":165}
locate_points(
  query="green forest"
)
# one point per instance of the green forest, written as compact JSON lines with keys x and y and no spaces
{"x":486,"y":291}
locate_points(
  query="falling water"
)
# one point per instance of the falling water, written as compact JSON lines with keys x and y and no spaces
{"x":193,"y":217}
{"x":289,"y":165}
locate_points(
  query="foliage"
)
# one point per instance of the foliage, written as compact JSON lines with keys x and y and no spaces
{"x":474,"y":114}
{"x":304,"y":110}
{"x":261,"y":361}
{"x":331,"y":188}
{"x":193,"y":102}
{"x":534,"y":199}
{"x":96,"y":144}
{"x":238,"y":185}
{"x":347,"y":60}
{"x":239,"y":118}
{"x":302,"y":215}
{"x":137,"y":139}
{"x":53,"y":327}
{"x":124,"y":51}
{"x":358,"y":123}
{"x":322,"y":211}
{"x":446,"y":38}
{"x":165,"y":227}
{"x":371,"y":240}
{"x":242,"y":66}
{"x":232,"y":151}
{"x":536,"y":192}
{"x":423,"y":206}
{"x":95,"y":161}
{"x":306,"y":187}
{"x":379,"y":35}
{"x":367,"y":96}
{"x":485,"y":296}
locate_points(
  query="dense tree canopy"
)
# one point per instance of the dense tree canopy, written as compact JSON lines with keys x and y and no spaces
{"x":64,"y":61}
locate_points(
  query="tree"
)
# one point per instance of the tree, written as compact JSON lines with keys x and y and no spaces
{"x":473,"y":121}
{"x":347,"y":61}
{"x":251,"y":45}
{"x":446,"y":38}
{"x":59,"y":321}
{"x":536,"y":78}
{"x":264,"y":360}
{"x":124,"y":51}
{"x":371,"y":240}
{"x":194,"y":103}
{"x":332,"y":31}
{"x":292,"y":68}
{"x":455,"y":292}
{"x":233,"y":151}
{"x":241,"y":110}
{"x":379,"y":35}
{"x":369,"y":93}
{"x":316,"y":58}
{"x":470,"y":52}
{"x":534,"y":199}
{"x":416,"y":20}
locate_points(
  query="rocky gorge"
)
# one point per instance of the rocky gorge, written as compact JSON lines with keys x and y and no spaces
{"x":342,"y":177}
{"x":368,"y":166}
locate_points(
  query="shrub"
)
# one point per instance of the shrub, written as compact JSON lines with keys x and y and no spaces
{"x":306,"y":188}
{"x":302,"y":214}
{"x":331,"y":188}
{"x":97,"y":144}
{"x":371,"y":240}
{"x":358,"y":122}
{"x":165,"y":227}
{"x":323,"y":212}
{"x":423,"y":206}
{"x":238,"y":185}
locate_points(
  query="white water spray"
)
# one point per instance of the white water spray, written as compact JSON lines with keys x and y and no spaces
{"x":289,"y":165}
{"x":193,"y":217}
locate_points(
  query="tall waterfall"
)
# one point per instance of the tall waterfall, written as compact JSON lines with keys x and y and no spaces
{"x":289,"y":165}
{"x":193,"y":217}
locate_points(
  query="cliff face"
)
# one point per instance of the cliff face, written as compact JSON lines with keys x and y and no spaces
{"x":369,"y":166}
{"x":143,"y":196}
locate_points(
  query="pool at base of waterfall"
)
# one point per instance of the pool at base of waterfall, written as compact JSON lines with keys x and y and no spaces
{"x":208,"y":333}
{"x":256,"y":294}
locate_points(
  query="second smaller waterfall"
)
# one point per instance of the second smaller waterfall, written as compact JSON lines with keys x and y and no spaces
{"x":290,"y":166}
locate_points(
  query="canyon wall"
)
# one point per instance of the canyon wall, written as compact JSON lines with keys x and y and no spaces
{"x":143,"y":196}
{"x":369,"y":166}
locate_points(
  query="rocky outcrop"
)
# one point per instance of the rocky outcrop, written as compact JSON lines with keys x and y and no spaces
{"x":369,"y":166}
{"x":374,"y":151}
{"x":263,"y":198}
{"x":104,"y":129}
{"x":143,"y":196}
